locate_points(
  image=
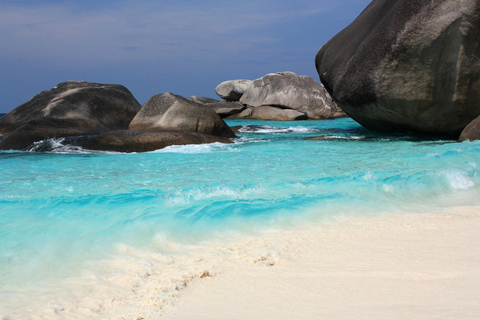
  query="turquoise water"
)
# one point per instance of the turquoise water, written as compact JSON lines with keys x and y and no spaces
{"x":63,"y":209}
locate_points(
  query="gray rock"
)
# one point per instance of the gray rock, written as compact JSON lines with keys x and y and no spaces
{"x":339,"y":114}
{"x":171,"y":112}
{"x":245,"y":114}
{"x":222,"y":108}
{"x":232,"y":90}
{"x":202,"y":100}
{"x":270,"y":113}
{"x":407,"y":66}
{"x":292,"y":91}
{"x":71,"y":108}
{"x":274,"y":113}
{"x":226,"y":108}
{"x":471,"y":131}
{"x":143,"y":140}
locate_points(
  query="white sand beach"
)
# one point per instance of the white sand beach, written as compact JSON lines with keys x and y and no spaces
{"x":412,"y":266}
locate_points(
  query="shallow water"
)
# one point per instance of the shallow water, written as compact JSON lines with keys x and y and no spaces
{"x":63,"y":211}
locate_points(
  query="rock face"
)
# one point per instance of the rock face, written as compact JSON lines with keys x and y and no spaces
{"x":171,"y":112}
{"x":144,"y":140}
{"x":407,"y":66}
{"x":202,"y":100}
{"x":289,"y":90}
{"x":222,"y":108}
{"x":71,"y":108}
{"x":270,"y":113}
{"x":226,"y":108}
{"x":273,"y":113}
{"x":232,"y":90}
{"x":471,"y":131}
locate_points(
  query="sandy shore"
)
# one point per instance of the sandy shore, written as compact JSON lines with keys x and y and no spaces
{"x":412,"y":266}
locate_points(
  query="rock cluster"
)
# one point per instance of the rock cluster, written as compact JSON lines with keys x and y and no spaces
{"x":280,"y":96}
{"x":407,"y":66}
{"x":107,"y":117}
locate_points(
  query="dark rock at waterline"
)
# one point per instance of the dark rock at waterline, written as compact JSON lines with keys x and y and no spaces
{"x":407,"y":66}
{"x":289,"y":90}
{"x":232,"y":90}
{"x":71,"y":108}
{"x":234,"y":129}
{"x":171,"y":112}
{"x":24,"y":136}
{"x":143,"y":140}
{"x":471,"y":131}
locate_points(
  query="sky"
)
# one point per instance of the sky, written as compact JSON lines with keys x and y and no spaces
{"x":186,"y":47}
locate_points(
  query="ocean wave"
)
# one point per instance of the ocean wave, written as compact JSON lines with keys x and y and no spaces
{"x":272,"y":129}
{"x":336,"y":137}
{"x":460,"y":180}
{"x":185,"y":196}
{"x":195,"y":148}
{"x":61,"y":146}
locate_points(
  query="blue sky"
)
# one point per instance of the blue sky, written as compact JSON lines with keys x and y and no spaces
{"x":185,"y":47}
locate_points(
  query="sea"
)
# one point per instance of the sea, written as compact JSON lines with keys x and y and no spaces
{"x":83,"y":233}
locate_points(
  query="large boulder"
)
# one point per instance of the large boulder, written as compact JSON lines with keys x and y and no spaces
{"x":232,"y":90}
{"x":407,"y":66}
{"x":289,"y":90}
{"x":471,"y":131}
{"x":143,"y":140}
{"x":170,"y":112}
{"x":70,"y":109}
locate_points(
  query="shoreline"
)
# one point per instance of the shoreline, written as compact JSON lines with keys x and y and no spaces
{"x":417,"y":266}
{"x":384,"y":266}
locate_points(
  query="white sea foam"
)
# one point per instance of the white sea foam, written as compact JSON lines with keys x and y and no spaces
{"x":195,"y":148}
{"x":388,"y":188}
{"x":271,"y":129}
{"x":335,"y":137}
{"x":204,"y":193}
{"x":47,"y":144}
{"x":58,"y":145}
{"x":368,"y":176}
{"x":459,"y":180}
